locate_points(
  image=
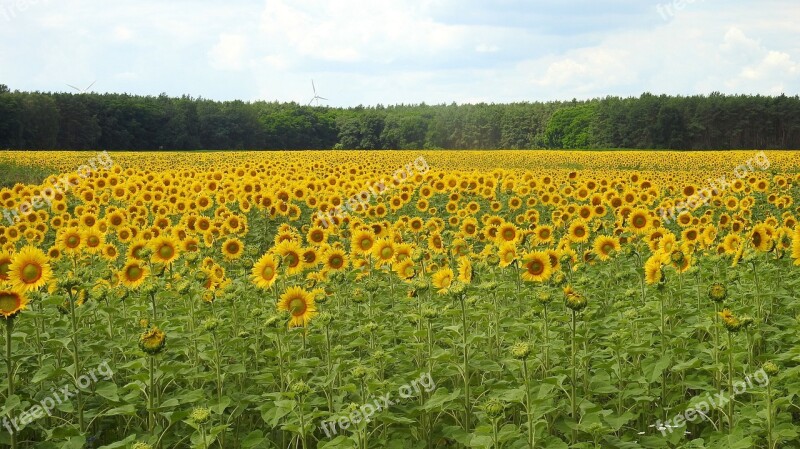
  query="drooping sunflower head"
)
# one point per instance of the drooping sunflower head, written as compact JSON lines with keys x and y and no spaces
{"x":300,"y":304}
{"x":717,"y":292}
{"x":11,"y":303}
{"x":152,"y":341}
{"x":29,"y":269}
{"x":465,"y":270}
{"x":443,"y":279}
{"x":653,"y":269}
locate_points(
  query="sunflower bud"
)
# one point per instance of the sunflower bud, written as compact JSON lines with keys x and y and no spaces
{"x":152,"y":341}
{"x":521,"y":350}
{"x":210,"y":324}
{"x":717,"y":292}
{"x":494,"y":408}
{"x":770,"y":368}
{"x":200,"y":415}
{"x":429,"y":313}
{"x":301,"y":388}
{"x":325,"y":318}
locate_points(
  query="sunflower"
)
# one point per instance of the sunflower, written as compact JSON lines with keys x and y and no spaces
{"x":796,"y":246}
{"x":300,"y":304}
{"x":291,"y":256}
{"x":605,"y":246}
{"x":335,"y":260}
{"x":383,"y":251}
{"x":165,"y":249}
{"x":442,"y":279}
{"x":232,"y":249}
{"x":578,"y":231}
{"x":316,"y":235}
{"x":5,"y":262}
{"x":508,"y":233}
{"x":652,"y":269}
{"x":137,"y":249}
{"x":405,"y":269}
{"x":93,"y":240}
{"x":133,"y":274}
{"x":465,"y":270}
{"x":69,"y":241}
{"x":362,"y":242}
{"x":536,"y":267}
{"x":265,"y":272}
{"x":11,"y":303}
{"x":507,"y":254}
{"x":639,"y":221}
{"x":109,"y":252}
{"x":544,"y":234}
{"x":761,"y":238}
{"x":152,"y":341}
{"x":29,"y":269}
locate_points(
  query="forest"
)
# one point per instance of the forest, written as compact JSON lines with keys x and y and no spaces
{"x":66,"y":121}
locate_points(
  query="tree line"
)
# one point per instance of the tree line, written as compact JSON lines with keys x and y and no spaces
{"x":36,"y":120}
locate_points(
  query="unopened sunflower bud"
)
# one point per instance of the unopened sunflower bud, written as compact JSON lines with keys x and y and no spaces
{"x":152,"y":341}
{"x":770,"y":368}
{"x":301,"y":388}
{"x":717,"y":292}
{"x":200,"y":415}
{"x":521,"y":350}
{"x":494,"y":408}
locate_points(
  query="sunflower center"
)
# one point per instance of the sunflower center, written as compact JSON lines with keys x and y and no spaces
{"x":386,"y":253}
{"x":470,"y":229}
{"x":93,"y":241}
{"x":508,"y":234}
{"x":545,"y":234}
{"x":4,"y":270}
{"x":166,"y":252}
{"x":8,"y":302}
{"x":366,"y":243}
{"x":233,"y":247}
{"x":639,"y":221}
{"x":73,"y":241}
{"x":292,"y":259}
{"x":607,"y":248}
{"x":336,"y":261}
{"x":297,"y":307}
{"x":268,"y":272}
{"x":535,"y":267}
{"x":31,"y":273}
{"x":757,"y":239}
{"x":580,"y":232}
{"x":134,"y":273}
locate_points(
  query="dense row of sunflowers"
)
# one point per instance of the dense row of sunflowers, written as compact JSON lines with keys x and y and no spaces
{"x":550,"y":301}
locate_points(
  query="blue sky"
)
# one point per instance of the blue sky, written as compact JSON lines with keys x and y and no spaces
{"x":386,"y":52}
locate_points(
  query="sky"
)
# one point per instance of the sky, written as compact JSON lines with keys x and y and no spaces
{"x":369,"y":52}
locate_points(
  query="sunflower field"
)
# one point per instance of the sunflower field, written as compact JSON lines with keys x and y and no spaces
{"x":401,"y":299}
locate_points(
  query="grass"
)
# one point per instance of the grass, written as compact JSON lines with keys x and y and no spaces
{"x":12,"y":173}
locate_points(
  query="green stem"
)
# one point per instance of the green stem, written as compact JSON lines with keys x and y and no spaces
{"x":730,"y":382}
{"x":466,"y":364}
{"x":574,"y":382}
{"x":528,"y":411}
{"x":10,"y":372}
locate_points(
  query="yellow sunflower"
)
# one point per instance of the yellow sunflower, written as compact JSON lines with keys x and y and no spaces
{"x":405,"y":269}
{"x":291,"y":256}
{"x":605,"y":246}
{"x":232,"y":249}
{"x":578,"y":231}
{"x":652,"y":269}
{"x":383,"y":251}
{"x":5,"y":263}
{"x":11,"y":303}
{"x":639,"y":221}
{"x":796,"y":246}
{"x":536,"y":267}
{"x":507,"y":254}
{"x":300,"y":304}
{"x":133,"y":274}
{"x":442,"y":279}
{"x":265,"y":272}
{"x":464,"y":270}
{"x":29,"y":269}
{"x":335,"y":260}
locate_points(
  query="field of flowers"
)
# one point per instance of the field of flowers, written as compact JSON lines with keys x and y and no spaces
{"x":401,"y":299}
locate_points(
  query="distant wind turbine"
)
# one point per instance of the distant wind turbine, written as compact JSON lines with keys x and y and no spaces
{"x":315,"y":97}
{"x":82,"y":91}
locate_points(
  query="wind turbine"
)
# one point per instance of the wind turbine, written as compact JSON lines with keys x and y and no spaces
{"x":315,"y":97}
{"x":82,"y":91}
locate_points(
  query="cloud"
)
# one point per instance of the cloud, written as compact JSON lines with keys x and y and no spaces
{"x":228,"y":53}
{"x":404,"y":51}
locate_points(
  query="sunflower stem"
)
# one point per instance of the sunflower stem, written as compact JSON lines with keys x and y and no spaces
{"x":10,"y":372}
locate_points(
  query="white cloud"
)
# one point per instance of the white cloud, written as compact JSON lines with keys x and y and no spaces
{"x":228,"y":53}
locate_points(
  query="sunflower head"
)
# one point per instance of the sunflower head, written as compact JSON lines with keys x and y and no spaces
{"x":300,"y":304}
{"x":29,"y":269}
{"x":12,"y":303}
{"x":574,"y":300}
{"x":152,"y":341}
{"x":494,"y":408}
{"x":770,"y":368}
{"x":717,"y":292}
{"x":521,"y":350}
